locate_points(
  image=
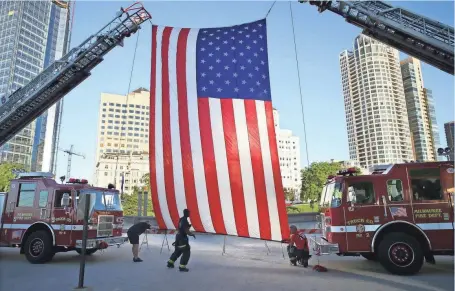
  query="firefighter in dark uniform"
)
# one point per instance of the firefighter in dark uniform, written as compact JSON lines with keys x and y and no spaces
{"x":181,"y":244}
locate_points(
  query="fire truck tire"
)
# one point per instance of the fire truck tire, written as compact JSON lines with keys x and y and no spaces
{"x":87,"y":252}
{"x":369,"y":256}
{"x":38,"y":247}
{"x":400,"y":254}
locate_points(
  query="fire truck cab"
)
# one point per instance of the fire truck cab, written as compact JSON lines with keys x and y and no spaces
{"x":399,"y":215}
{"x":40,"y":216}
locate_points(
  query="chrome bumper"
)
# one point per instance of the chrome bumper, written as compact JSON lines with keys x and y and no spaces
{"x":93,"y":243}
{"x":322,"y":246}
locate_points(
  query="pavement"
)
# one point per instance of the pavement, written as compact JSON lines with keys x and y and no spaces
{"x":247,"y":264}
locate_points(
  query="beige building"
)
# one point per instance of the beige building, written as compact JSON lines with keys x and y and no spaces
{"x":123,"y":133}
{"x":375,"y":106}
{"x":421,"y":113}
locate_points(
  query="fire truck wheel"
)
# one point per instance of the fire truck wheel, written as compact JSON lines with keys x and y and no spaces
{"x":38,"y":247}
{"x":87,"y":252}
{"x":400,"y":254}
{"x":369,"y":256}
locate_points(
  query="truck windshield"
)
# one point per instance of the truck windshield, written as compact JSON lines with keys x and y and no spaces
{"x":106,"y":200}
{"x":331,"y":195}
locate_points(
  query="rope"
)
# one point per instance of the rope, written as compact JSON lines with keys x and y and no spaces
{"x":270,"y":9}
{"x":127,"y":96}
{"x":300,"y":86}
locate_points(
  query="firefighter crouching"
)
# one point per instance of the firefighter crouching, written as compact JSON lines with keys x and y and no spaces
{"x":181,"y":244}
{"x":298,"y":249}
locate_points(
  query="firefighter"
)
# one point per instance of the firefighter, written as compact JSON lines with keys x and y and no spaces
{"x":181,"y":244}
{"x":298,"y":249}
{"x":133,"y":236}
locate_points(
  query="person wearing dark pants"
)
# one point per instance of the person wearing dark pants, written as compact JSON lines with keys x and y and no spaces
{"x":298,"y":249}
{"x":133,"y":236}
{"x":181,"y":244}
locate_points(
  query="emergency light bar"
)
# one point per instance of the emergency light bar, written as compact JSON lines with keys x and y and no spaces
{"x":349,"y":171}
{"x":77,"y":181}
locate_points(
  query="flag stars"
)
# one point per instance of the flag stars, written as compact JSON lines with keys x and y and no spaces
{"x":243,"y":82}
{"x":248,"y":47}
{"x":218,"y":61}
{"x":260,"y":36}
{"x":217,"y":48}
{"x":249,"y":61}
{"x":236,"y":89}
{"x":210,"y":43}
{"x":225,"y":54}
{"x":262,"y":63}
{"x":265,"y":91}
{"x":218,"y":75}
{"x":211,"y":68}
{"x":250,"y":75}
{"x":233,"y":48}
{"x":241,"y":54}
{"x":202,"y":61}
{"x":232,"y":37}
{"x":247,"y":36}
{"x":226,"y":67}
{"x":204,"y":88}
{"x":234,"y":61}
{"x":255,"y":54}
{"x":202,"y":49}
{"x":227,"y":82}
{"x":258,"y":83}
{"x":225,"y":42}
{"x":242,"y":67}
{"x":264,"y":76}
{"x":256,"y":68}
{"x":251,"y":89}
{"x":203,"y":74}
{"x":219,"y":89}
{"x":254,"y":30}
{"x":240,"y":41}
{"x":217,"y":37}
{"x":261,"y":49}
{"x":211,"y":82}
{"x":210,"y":55}
{"x":255,"y":41}
{"x":235,"y":75}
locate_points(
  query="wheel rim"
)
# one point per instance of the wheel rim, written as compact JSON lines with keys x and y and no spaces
{"x":36,"y":247}
{"x":401,"y":254}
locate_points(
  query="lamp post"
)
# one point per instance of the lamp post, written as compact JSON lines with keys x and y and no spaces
{"x":446,"y":152}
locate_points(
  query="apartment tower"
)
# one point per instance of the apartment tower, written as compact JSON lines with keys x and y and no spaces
{"x":421,"y":112}
{"x":32,"y":35}
{"x":375,"y":105}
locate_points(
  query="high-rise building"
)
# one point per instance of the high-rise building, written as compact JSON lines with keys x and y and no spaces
{"x":32,"y":35}
{"x":421,"y":112}
{"x":449,"y":128}
{"x":375,"y":106}
{"x":123,"y":130}
{"x":289,"y":155}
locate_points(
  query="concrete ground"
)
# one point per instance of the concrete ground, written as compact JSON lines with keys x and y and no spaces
{"x":246,"y":265}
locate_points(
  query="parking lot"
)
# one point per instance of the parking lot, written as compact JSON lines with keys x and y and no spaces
{"x":246,"y":265}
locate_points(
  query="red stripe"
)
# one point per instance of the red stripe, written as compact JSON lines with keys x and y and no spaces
{"x":276,"y":171}
{"x":153,"y":184}
{"x":258,"y":169}
{"x":208,"y":155}
{"x":167,"y":150}
{"x":185,"y":142}
{"x":233,"y":159}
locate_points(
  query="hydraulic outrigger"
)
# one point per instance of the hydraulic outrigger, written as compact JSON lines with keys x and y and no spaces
{"x":27,"y":103}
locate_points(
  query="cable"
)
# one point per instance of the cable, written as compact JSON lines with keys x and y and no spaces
{"x":270,"y":9}
{"x":300,"y":86}
{"x":127,"y":96}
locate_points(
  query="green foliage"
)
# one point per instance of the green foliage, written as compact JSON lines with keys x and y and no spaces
{"x":289,"y":194}
{"x":6,"y":175}
{"x":302,"y":208}
{"x":130,"y":203}
{"x":314,"y":178}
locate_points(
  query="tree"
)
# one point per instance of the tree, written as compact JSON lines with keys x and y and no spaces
{"x":289,"y":194}
{"x":130,"y":203}
{"x":314,"y":179}
{"x":7,"y":174}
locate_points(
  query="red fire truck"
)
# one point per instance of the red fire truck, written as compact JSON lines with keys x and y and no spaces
{"x":399,"y":215}
{"x":40,"y":216}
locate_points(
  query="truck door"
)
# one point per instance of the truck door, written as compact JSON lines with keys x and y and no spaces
{"x":433,"y":211}
{"x":359,"y":211}
{"x":62,"y":218}
{"x":25,"y":213}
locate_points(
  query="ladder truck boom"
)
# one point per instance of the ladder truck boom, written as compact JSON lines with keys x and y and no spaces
{"x":30,"y":101}
{"x":423,"y":38}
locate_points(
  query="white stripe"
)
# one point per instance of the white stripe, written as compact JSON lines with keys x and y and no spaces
{"x":195,"y":135}
{"x":54,"y":226}
{"x":435,"y":226}
{"x":222,"y":170}
{"x":179,"y":188}
{"x":374,"y":227}
{"x":246,"y":168}
{"x":159,"y":136}
{"x":268,"y":173}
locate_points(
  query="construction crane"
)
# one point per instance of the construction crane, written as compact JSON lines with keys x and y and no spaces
{"x":70,"y":154}
{"x":30,"y":101}
{"x":423,"y":38}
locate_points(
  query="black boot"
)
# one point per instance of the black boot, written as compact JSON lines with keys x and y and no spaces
{"x":183,"y":269}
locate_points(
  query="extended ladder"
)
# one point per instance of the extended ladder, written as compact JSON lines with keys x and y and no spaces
{"x":29,"y":102}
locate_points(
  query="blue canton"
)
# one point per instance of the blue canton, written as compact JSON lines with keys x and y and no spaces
{"x":232,"y":62}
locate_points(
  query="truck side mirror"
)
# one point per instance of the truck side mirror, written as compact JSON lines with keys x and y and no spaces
{"x":65,"y":200}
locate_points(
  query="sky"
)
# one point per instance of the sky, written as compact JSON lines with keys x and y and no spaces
{"x":320,"y":37}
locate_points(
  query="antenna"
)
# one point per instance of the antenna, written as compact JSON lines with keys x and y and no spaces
{"x":70,"y":153}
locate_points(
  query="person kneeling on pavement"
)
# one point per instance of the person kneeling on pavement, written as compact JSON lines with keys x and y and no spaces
{"x":133,"y":236}
{"x":298,"y":249}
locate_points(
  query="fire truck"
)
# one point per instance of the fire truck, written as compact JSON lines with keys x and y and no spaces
{"x":399,"y":215}
{"x":40,"y":216}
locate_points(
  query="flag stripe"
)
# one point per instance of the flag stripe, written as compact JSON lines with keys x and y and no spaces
{"x":175,"y":117}
{"x":159,"y":134}
{"x":167,"y":141}
{"x":195,"y":132}
{"x":268,"y":173}
{"x":234,"y":169}
{"x":153,"y":185}
{"x":186,"y":160}
{"x":276,"y":171}
{"x":258,"y":169}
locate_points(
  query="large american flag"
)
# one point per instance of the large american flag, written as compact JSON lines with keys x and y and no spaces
{"x":213,"y":147}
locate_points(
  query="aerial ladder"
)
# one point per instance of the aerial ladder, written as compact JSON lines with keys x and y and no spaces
{"x":70,"y":154}
{"x":423,"y":38}
{"x":30,"y":101}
